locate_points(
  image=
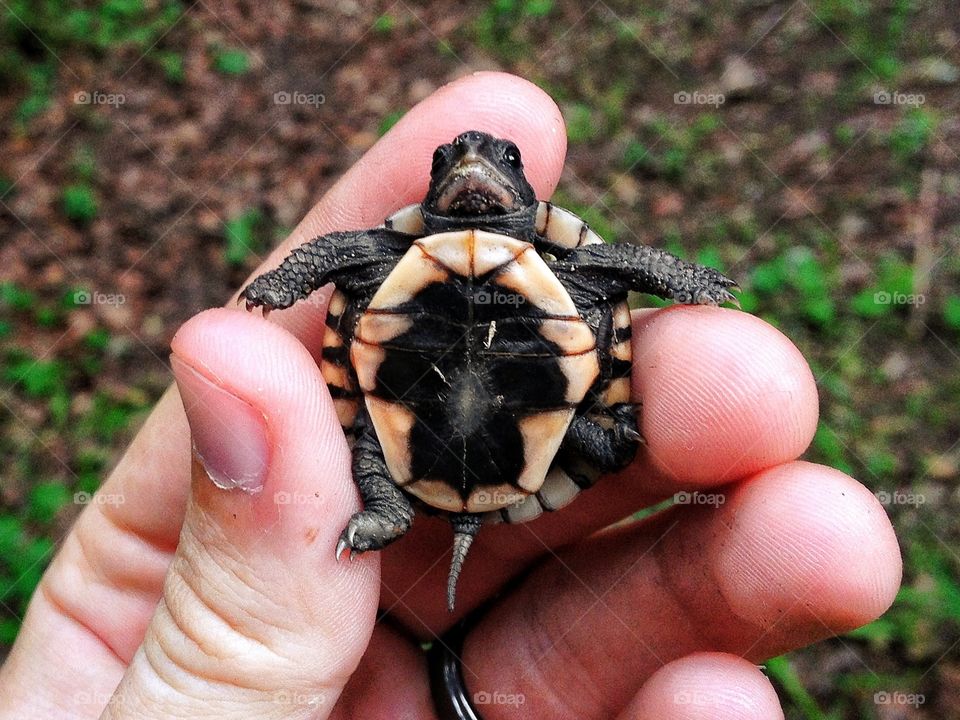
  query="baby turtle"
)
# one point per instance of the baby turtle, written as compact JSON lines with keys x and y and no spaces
{"x":478,"y":347}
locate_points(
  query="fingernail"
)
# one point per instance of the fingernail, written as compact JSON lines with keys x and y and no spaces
{"x":229,"y":434}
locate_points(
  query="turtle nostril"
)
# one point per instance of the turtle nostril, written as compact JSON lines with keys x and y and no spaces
{"x":470,"y":138}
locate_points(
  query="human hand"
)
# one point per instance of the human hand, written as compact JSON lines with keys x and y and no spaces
{"x":257,"y":619}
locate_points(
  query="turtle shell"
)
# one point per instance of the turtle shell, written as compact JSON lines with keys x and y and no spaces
{"x":460,"y":358}
{"x":472,"y":359}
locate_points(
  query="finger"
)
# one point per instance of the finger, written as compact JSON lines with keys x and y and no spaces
{"x":724,"y":395}
{"x":797,"y":553}
{"x":701,"y":373}
{"x":391,"y":682}
{"x":706,"y":686}
{"x":93,"y":606}
{"x":255,"y":615}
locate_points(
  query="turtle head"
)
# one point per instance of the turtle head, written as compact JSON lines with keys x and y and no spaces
{"x":478,"y":180}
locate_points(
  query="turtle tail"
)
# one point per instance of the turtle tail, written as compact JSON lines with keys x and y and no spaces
{"x":465,"y":528}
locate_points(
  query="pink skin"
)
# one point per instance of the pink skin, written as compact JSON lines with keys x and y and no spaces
{"x":705,"y":686}
{"x":795,"y":552}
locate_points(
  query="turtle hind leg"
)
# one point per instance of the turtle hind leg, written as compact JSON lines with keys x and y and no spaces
{"x":609,"y":448}
{"x":387,"y":513}
{"x":465,"y":528}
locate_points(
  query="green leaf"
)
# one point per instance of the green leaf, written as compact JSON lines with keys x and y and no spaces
{"x":580,"y":124}
{"x":45,"y":501}
{"x":16,"y":297}
{"x":59,"y":406}
{"x":768,"y":277}
{"x":79,"y":203}
{"x":240,"y":233}
{"x":389,"y":121}
{"x":384,"y":24}
{"x":781,"y":670}
{"x":39,"y":378}
{"x":912,"y":134}
{"x":11,"y":535}
{"x":868,"y":304}
{"x":97,"y":339}
{"x":9,"y":627}
{"x":537,"y":8}
{"x":819,"y":309}
{"x":231,"y":61}
{"x":172,"y":65}
{"x":951,"y":312}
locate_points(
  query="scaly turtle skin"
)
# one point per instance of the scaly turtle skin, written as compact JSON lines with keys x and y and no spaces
{"x":478,"y":348}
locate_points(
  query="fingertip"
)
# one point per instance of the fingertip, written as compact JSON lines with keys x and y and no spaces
{"x":267,"y":368}
{"x":509,"y":106}
{"x":724,"y":394}
{"x":396,"y":170}
{"x":811,"y":547}
{"x":706,"y":685}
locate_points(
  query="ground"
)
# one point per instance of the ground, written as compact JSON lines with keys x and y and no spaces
{"x":152,"y":150}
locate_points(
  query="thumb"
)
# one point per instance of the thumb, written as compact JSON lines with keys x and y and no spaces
{"x":257,"y":618}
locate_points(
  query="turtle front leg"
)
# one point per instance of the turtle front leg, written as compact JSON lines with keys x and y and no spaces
{"x":608,"y":448}
{"x":387,"y":513}
{"x":598,"y":272}
{"x":356,"y":261}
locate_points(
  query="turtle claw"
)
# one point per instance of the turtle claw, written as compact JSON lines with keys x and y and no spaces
{"x":341,"y":546}
{"x":346,"y":541}
{"x":632,"y":434}
{"x":369,"y":531}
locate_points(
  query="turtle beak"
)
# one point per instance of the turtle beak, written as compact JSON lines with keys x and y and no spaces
{"x":473,"y":186}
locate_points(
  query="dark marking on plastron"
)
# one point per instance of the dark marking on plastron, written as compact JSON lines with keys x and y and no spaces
{"x":470,"y":376}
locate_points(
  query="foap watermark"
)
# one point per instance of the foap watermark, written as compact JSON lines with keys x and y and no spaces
{"x":98,"y":498}
{"x":695,"y":698}
{"x":895,"y":97}
{"x":496,"y":297}
{"x":295,"y":498}
{"x":499,"y":698}
{"x":93,"y":297}
{"x":698,"y":498}
{"x":98,"y":698}
{"x":299,"y":699}
{"x":498,"y":498}
{"x":97,"y":97}
{"x":898,"y":497}
{"x":696,"y":97}
{"x":883,"y":297}
{"x":295,"y":97}
{"x":897,"y":697}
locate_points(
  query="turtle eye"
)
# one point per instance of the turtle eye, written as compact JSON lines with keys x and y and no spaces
{"x":511,"y":155}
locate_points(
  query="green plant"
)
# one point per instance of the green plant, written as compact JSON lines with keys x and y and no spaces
{"x":782,"y":671}
{"x":230,"y":61}
{"x":497,"y":28}
{"x":580,"y":123}
{"x":242,"y":235}
{"x":35,"y":33}
{"x":951,"y":312}
{"x":911,"y":135}
{"x":79,"y":203}
{"x":15,"y":297}
{"x":384,"y":24}
{"x":45,"y":501}
{"x":388,"y":121}
{"x":38,"y":378}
